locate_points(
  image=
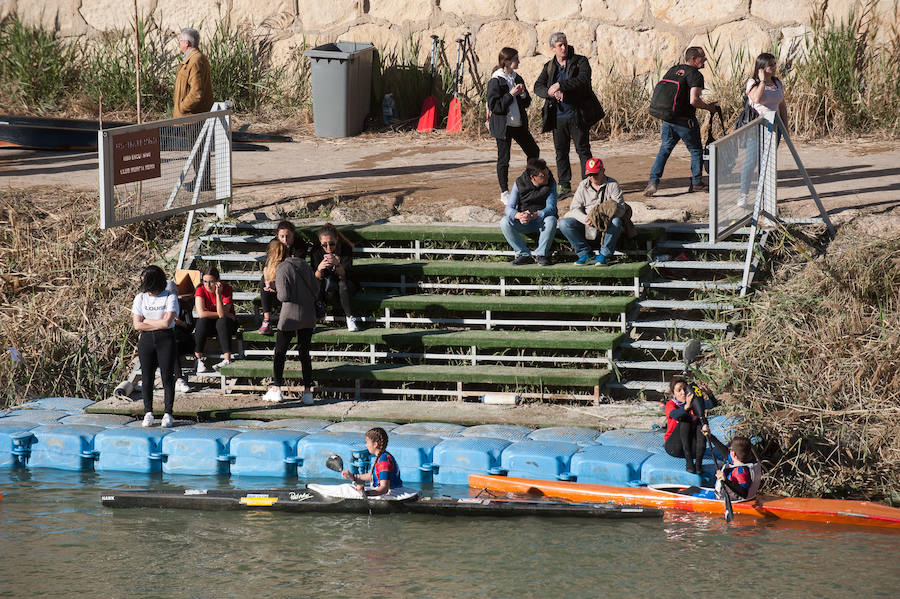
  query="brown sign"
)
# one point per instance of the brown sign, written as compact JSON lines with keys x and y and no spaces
{"x":136,"y":156}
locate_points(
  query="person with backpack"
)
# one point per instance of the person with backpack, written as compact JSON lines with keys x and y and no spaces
{"x":675,"y":101}
{"x":507,"y":102}
{"x":571,"y":108}
{"x":763,"y":96}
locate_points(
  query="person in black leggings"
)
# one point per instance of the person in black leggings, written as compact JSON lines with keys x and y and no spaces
{"x":153,"y":314}
{"x":214,"y":304}
{"x":684,"y":414}
{"x":297,"y":291}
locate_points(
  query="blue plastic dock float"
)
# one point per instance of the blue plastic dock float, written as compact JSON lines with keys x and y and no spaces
{"x":359,"y":426}
{"x":105,"y":420}
{"x":651,"y":441}
{"x":72,"y":405}
{"x":265,"y":453}
{"x":130,"y":449}
{"x":456,"y":459}
{"x":15,"y":442}
{"x":414,"y":455}
{"x":664,"y":469}
{"x":304,"y":425}
{"x":35,"y":416}
{"x":63,"y":446}
{"x":566,"y":434}
{"x":445,"y":430}
{"x":546,"y":460}
{"x":314,"y":450}
{"x":507,"y":432}
{"x":197,"y":451}
{"x":609,"y":465}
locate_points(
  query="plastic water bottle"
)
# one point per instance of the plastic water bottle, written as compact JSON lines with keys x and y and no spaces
{"x":388,"y":109}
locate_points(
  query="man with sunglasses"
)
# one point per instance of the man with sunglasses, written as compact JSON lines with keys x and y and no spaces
{"x":531,"y":208}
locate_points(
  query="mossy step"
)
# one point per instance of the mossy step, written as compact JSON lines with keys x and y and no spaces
{"x":485,"y":269}
{"x":361,"y":234}
{"x":422,"y":302}
{"x":411,"y":338}
{"x":500,"y":375}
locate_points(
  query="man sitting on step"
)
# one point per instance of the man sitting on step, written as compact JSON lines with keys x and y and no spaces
{"x":598,"y":210}
{"x":531,"y":207}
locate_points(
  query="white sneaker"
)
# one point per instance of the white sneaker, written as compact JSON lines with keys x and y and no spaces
{"x":503,"y":196}
{"x":308,"y":398}
{"x":148,"y":419}
{"x":221,"y":365}
{"x":742,"y":201}
{"x":352,"y":324}
{"x":273,"y":395}
{"x":181,"y":386}
{"x":167,"y":421}
{"x":201,"y":367}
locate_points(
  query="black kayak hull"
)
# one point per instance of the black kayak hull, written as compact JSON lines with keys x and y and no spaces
{"x":305,"y":500}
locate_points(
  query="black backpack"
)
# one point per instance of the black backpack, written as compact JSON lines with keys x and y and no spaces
{"x":671,"y":97}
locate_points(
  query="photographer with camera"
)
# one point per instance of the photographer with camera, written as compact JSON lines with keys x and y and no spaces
{"x":685,"y":417}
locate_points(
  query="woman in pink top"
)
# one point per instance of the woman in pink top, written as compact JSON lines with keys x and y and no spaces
{"x":765,"y":94}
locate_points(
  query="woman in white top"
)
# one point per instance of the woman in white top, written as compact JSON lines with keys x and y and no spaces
{"x":153,"y":314}
{"x":507,"y":103}
{"x":765,"y":94}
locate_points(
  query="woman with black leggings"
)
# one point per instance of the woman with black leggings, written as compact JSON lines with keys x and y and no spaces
{"x":214,"y":304}
{"x":153,"y":315}
{"x":297,"y":289}
{"x":684,"y":437}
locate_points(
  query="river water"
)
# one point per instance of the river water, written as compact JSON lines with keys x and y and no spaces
{"x":57,"y":540}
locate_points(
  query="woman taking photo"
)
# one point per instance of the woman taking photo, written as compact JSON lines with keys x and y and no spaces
{"x":214,"y":304}
{"x":297,"y":291}
{"x":332,"y":261}
{"x":684,"y":436}
{"x":153,"y":314}
{"x":765,"y":95}
{"x":507,"y":103}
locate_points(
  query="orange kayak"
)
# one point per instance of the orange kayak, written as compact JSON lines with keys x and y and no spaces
{"x":829,"y":511}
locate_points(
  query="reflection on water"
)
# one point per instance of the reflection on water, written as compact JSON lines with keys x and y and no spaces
{"x":57,"y":540}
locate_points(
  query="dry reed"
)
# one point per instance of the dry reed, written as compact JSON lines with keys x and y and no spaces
{"x":65,"y":293}
{"x":816,"y":376}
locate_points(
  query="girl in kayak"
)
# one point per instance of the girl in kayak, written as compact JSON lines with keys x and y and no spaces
{"x":683,"y":413}
{"x":385,"y":474}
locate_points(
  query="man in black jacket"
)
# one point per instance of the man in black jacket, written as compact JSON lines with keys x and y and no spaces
{"x":531,"y":208}
{"x":565,"y":82}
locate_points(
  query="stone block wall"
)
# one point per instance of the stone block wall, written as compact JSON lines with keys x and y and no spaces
{"x":630,"y":36}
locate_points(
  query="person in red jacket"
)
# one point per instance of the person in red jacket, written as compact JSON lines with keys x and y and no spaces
{"x":683,"y":438}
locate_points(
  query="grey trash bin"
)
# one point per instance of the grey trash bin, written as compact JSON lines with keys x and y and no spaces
{"x":342,"y":87}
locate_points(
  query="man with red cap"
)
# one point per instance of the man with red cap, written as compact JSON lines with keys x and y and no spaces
{"x":598,"y":207}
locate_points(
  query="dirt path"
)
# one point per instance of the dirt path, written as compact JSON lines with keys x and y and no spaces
{"x":415,"y":177}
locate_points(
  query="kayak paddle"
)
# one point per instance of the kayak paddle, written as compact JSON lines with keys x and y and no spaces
{"x":428,"y":116}
{"x":690,"y":352}
{"x":454,"y":114}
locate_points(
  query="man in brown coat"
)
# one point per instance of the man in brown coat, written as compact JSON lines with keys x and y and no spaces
{"x":193,"y":84}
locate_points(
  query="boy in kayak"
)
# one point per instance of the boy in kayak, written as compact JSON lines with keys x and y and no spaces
{"x":741,"y":479}
{"x":385,"y":474}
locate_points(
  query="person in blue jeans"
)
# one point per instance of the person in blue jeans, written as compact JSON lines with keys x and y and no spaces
{"x":531,"y":208}
{"x":595,"y":193}
{"x":685,"y":127}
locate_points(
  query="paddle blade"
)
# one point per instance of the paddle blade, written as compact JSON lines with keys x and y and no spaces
{"x":729,"y":511}
{"x":691,"y":351}
{"x":454,"y":117}
{"x":428,"y":116}
{"x":334,"y":462}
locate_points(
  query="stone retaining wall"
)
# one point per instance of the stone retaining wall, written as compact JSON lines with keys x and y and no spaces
{"x":633,"y":36}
